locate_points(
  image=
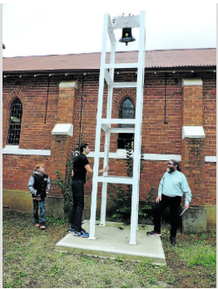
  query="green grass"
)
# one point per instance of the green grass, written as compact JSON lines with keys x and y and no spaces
{"x":31,"y":261}
{"x":207,"y":260}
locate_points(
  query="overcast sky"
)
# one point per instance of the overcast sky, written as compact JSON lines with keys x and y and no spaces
{"x":68,"y":27}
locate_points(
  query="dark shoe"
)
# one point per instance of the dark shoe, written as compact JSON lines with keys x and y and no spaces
{"x":42,"y":226}
{"x":153,"y":233}
{"x":173,"y":241}
{"x":84,"y":234}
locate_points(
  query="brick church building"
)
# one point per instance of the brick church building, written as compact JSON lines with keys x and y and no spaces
{"x":49,"y":100}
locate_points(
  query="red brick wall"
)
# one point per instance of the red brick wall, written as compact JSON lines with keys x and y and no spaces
{"x":35,"y":133}
{"x":210,"y":184}
{"x":192,"y":105}
{"x":193,"y":166}
{"x":17,"y":170}
{"x":209,"y":113}
{"x":158,"y":137}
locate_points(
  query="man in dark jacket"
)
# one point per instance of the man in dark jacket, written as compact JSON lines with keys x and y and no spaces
{"x":39,"y":186}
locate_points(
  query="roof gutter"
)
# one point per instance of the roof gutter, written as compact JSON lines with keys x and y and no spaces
{"x":94,"y":71}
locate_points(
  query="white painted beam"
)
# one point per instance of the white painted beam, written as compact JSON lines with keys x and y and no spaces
{"x":98,"y":130}
{"x":115,"y":179}
{"x":138,"y":126}
{"x":124,"y":84}
{"x":122,"y":65}
{"x":107,"y":77}
{"x":126,"y":21}
{"x":110,"y":30}
{"x":118,"y":121}
{"x":105,"y":127}
{"x":122,"y":130}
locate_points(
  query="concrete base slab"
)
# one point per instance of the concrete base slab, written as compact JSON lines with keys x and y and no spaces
{"x":112,"y":241}
{"x":194,"y":221}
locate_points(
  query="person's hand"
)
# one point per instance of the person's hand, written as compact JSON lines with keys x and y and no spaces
{"x":47,"y":192}
{"x":158,"y":199}
{"x":106,"y":169}
{"x":186,"y":207}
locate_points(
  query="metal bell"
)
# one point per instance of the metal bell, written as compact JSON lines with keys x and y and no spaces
{"x":127,"y":35}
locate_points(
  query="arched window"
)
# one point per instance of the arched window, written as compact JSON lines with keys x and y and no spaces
{"x":127,"y":110}
{"x":15,"y":122}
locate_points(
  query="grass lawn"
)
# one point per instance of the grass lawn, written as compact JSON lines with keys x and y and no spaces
{"x":30,"y":260}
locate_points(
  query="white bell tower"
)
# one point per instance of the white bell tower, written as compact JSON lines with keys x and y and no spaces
{"x":106,"y":124}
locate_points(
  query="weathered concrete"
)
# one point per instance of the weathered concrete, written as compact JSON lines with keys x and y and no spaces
{"x":54,"y":206}
{"x":112,"y":241}
{"x":211,"y":217}
{"x":194,"y":220}
{"x":21,"y":201}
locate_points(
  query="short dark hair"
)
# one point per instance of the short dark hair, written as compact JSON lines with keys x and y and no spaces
{"x":82,"y":146}
{"x":176,"y":163}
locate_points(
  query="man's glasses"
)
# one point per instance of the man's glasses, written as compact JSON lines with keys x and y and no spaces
{"x":170,"y":164}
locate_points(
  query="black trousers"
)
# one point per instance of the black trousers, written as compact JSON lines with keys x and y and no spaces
{"x":173,"y":203}
{"x":78,"y":205}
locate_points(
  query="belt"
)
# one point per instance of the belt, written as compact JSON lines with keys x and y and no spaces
{"x":171,"y":196}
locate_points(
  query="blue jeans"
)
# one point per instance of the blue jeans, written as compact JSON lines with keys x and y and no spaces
{"x":40,"y":204}
{"x":78,"y":205}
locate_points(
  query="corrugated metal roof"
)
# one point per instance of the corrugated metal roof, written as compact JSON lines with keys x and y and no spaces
{"x":176,"y":58}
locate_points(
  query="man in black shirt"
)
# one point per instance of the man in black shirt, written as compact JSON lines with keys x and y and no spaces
{"x":80,"y":167}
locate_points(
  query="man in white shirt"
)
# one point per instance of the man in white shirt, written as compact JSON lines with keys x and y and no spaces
{"x":171,"y":189}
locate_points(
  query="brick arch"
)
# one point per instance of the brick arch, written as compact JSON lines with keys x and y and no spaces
{"x":120,"y":97}
{"x":7,"y":101}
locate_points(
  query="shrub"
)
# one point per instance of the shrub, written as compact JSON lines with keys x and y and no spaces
{"x":122,"y":196}
{"x":65,"y":184}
